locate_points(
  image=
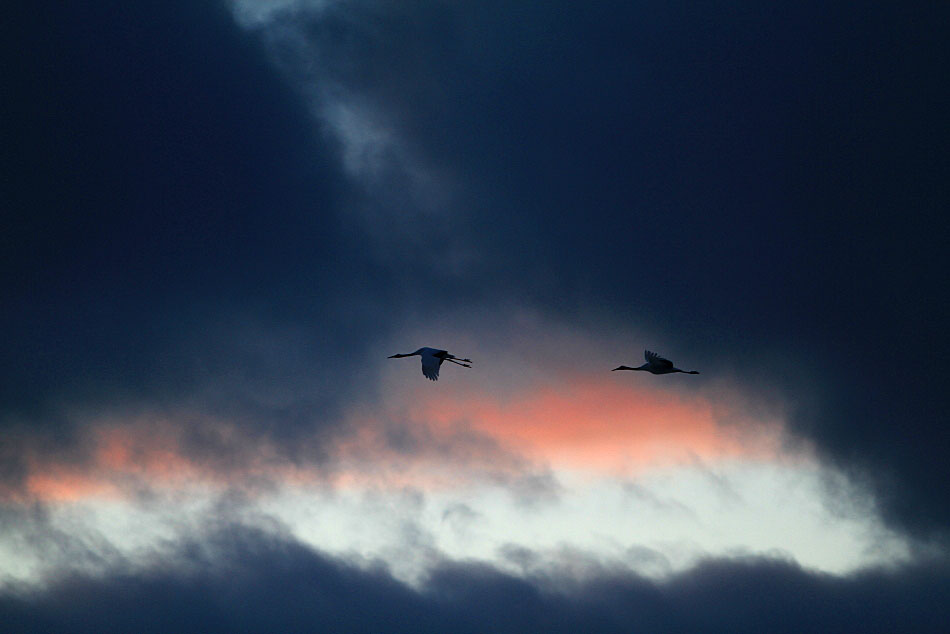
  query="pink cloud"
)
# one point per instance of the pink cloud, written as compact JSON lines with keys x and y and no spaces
{"x":423,"y":437}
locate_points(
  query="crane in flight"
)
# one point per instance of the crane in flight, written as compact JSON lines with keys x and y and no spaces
{"x":656,"y":365}
{"x":432,"y":359}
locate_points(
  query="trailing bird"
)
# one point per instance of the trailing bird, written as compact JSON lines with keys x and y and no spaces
{"x":656,"y":365}
{"x":432,"y":359}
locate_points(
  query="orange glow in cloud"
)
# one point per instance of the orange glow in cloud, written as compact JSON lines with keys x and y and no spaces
{"x":120,"y":457}
{"x":582,"y":424}
{"x":449,"y":436}
{"x":57,"y":484}
{"x":116,"y":457}
{"x":598,"y":426}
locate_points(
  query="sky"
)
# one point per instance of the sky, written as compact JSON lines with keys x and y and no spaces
{"x":222,"y":217}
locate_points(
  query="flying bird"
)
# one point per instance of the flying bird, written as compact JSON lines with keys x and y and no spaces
{"x":432,"y":359}
{"x":656,"y":365}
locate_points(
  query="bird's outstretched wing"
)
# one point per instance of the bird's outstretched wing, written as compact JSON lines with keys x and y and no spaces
{"x":430,"y":366}
{"x":655,"y":359}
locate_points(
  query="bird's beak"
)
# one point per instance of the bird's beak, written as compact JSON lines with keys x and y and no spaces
{"x":615,"y":369}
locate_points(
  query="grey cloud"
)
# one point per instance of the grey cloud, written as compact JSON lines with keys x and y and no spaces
{"x":461,"y":517}
{"x":648,"y":561}
{"x":644,"y":495}
{"x":239,"y":578}
{"x":58,"y":546}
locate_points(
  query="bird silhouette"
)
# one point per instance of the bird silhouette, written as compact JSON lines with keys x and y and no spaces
{"x":432,"y":359}
{"x":656,"y":365}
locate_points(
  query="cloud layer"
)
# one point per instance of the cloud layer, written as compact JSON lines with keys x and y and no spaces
{"x":240,"y":578}
{"x":744,"y":182}
{"x":223,"y":216}
{"x":734,"y":183}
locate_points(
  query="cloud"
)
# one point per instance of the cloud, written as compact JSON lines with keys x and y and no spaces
{"x":460,"y":517}
{"x":198,"y":280}
{"x":400,"y":200}
{"x":239,"y":577}
{"x":643,"y":495}
{"x":54,"y":545}
{"x":549,"y":448}
{"x":170,"y":275}
{"x":728,"y":181}
{"x":168,"y":216}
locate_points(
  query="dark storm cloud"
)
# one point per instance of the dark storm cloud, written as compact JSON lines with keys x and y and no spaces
{"x":169,"y":224}
{"x":240,"y":579}
{"x":762,"y":185}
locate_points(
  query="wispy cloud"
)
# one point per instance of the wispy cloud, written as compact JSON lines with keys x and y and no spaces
{"x":402,"y":199}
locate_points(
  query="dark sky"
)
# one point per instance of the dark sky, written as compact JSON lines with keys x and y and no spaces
{"x":762,"y":185}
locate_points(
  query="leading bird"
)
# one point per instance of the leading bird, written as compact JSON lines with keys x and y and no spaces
{"x":432,"y":359}
{"x":656,"y":365}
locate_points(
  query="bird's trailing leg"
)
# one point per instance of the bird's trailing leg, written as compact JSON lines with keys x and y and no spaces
{"x":445,"y":356}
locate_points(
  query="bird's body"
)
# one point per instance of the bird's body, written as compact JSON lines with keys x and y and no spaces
{"x":432,"y":359}
{"x":656,"y":365}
